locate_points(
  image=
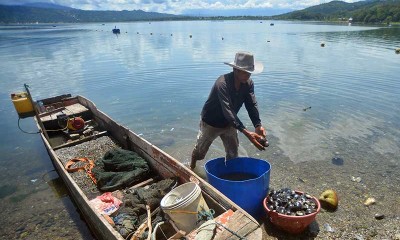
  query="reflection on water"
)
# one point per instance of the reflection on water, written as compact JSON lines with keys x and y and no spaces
{"x":155,"y":78}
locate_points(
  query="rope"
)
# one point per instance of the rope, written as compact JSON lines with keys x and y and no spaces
{"x":205,"y":215}
{"x":25,"y":131}
{"x":87,"y":167}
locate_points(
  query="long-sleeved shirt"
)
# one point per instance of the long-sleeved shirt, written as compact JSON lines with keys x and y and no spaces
{"x":224,"y":102}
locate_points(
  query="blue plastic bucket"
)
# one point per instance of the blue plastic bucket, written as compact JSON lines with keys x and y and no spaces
{"x":244,"y":180}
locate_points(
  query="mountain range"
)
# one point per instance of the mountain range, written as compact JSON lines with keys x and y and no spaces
{"x":369,"y":11}
{"x":372,"y":11}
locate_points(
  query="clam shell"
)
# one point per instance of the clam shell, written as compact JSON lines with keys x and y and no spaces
{"x":369,"y":201}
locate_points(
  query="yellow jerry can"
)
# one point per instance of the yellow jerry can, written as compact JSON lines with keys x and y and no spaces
{"x":22,"y":104}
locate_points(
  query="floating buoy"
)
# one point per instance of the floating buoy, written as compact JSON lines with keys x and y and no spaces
{"x":151,"y":33}
{"x":222,"y":38}
{"x":397,"y":51}
{"x":137,"y":32}
{"x":190,"y":36}
{"x":322,"y":44}
{"x":171,"y":34}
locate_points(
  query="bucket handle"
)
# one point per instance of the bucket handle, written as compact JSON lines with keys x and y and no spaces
{"x":182,"y":211}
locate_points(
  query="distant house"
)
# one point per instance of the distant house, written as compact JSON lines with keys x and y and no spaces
{"x":350,"y":21}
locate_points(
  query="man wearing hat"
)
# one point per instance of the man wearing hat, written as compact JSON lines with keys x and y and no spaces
{"x":219,"y":115}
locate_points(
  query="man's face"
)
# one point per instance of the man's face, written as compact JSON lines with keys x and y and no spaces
{"x":241,"y":76}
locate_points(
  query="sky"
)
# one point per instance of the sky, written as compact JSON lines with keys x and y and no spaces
{"x":187,"y":7}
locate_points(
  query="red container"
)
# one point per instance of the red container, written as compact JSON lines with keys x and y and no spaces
{"x":291,"y":224}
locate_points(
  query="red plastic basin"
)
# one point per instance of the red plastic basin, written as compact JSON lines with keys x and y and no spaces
{"x":291,"y":224}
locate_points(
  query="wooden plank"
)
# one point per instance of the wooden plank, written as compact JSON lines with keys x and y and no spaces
{"x":55,"y":99}
{"x":85,"y":139}
{"x":44,"y":114}
{"x":212,"y":203}
{"x":141,"y":184}
{"x":246,"y":230}
{"x":74,"y":109}
{"x":177,"y":235}
{"x":255,"y":235}
{"x":239,"y":224}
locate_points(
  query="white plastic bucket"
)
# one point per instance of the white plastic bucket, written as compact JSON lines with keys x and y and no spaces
{"x":182,"y":204}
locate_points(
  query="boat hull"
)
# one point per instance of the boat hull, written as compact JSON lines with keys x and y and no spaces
{"x":165,"y":165}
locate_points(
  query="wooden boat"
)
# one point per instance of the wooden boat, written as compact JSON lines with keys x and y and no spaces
{"x":61,"y":144}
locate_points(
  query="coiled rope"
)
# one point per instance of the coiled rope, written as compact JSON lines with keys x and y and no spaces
{"x":87,"y":167}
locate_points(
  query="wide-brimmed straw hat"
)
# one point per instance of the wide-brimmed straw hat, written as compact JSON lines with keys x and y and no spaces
{"x":245,"y":61}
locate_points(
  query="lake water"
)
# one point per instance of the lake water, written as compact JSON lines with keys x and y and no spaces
{"x":317,"y":104}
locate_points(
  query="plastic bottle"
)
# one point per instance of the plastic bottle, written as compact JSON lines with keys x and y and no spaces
{"x":41,"y":106}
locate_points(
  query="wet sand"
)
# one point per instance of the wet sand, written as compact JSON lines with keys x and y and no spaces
{"x":352,"y":219}
{"x":44,"y":211}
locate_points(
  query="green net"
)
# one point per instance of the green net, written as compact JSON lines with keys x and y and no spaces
{"x":119,"y":169}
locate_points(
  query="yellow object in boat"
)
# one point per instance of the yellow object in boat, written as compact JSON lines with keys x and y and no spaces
{"x":22,"y":104}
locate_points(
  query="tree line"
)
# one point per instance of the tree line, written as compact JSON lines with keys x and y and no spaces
{"x":369,"y":11}
{"x":378,"y":11}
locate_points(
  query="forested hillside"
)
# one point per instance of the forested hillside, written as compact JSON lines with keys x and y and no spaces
{"x":382,"y":11}
{"x":369,"y":11}
{"x":26,"y":14}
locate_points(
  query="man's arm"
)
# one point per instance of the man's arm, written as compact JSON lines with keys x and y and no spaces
{"x":252,"y":109}
{"x":251,"y":105}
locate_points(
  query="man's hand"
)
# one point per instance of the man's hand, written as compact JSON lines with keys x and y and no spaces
{"x":254,"y":137}
{"x":261,"y":131}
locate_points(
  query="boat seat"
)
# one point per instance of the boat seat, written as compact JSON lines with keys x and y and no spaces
{"x":49,"y":119}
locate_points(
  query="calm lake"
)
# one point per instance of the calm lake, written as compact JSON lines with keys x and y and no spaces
{"x":318,"y":104}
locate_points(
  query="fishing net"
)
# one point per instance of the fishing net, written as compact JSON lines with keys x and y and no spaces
{"x":118,"y":169}
{"x":132,"y":211}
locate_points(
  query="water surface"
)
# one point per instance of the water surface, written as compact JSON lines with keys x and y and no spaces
{"x":317,"y":103}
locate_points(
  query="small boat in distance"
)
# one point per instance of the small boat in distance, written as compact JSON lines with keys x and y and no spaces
{"x":271,"y":24}
{"x":116,"y":30}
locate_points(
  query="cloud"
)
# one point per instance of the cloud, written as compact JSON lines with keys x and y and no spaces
{"x":179,"y":6}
